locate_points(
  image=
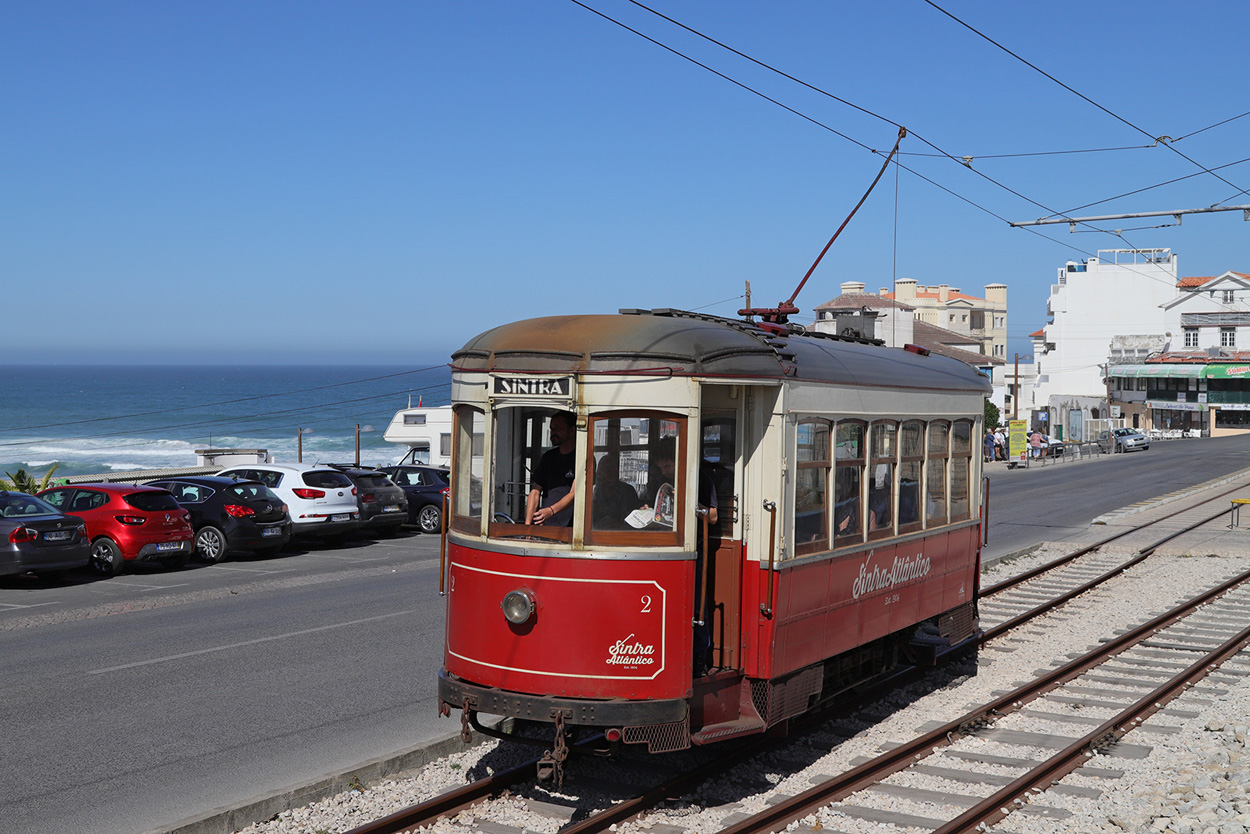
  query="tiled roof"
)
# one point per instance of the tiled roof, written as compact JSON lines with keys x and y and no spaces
{"x":856,"y":300}
{"x":938,"y":340}
{"x":1199,"y":357}
{"x":1191,"y":281}
{"x":1038,"y":334}
{"x":951,"y":296}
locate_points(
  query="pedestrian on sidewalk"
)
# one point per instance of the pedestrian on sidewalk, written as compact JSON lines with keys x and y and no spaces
{"x":989,"y":446}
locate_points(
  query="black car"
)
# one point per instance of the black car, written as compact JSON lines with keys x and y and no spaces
{"x":425,"y":487}
{"x":231,"y":515}
{"x":383,"y":505}
{"x":36,"y":536}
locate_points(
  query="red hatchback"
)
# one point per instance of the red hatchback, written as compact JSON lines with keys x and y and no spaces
{"x":127,"y":523}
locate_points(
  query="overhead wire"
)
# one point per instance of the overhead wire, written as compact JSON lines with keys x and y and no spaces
{"x":1163,"y":140}
{"x":1066,"y":245}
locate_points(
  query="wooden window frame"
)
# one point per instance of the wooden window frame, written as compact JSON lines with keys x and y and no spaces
{"x":821,"y":543}
{"x":888,"y":531}
{"x":918,"y":524}
{"x":965,"y":459}
{"x":944,"y":457}
{"x":636,"y":538}
{"x":465,"y":523}
{"x":859,"y":463}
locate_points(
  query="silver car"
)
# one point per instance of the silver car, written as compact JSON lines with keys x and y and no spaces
{"x":1122,"y":440}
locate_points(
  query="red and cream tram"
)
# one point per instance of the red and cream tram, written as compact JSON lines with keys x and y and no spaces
{"x":846,"y":478}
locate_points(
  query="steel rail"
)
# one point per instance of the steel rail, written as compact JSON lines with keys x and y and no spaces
{"x":998,"y":805}
{"x":899,"y":758}
{"x":464,"y":797}
{"x":1141,"y":556}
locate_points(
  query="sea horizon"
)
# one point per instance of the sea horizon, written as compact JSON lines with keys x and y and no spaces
{"x":89,"y":419}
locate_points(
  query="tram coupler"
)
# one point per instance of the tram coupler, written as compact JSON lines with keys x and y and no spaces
{"x":551,"y":765}
{"x":466,"y":734}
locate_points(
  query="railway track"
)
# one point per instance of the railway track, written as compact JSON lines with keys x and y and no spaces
{"x":1012,"y":603}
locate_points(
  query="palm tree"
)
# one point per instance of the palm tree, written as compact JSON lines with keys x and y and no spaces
{"x":25,"y":482}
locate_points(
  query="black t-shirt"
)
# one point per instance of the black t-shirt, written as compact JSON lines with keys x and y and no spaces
{"x":554,"y":476}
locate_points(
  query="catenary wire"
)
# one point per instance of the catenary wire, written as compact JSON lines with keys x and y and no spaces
{"x":1167,"y":144}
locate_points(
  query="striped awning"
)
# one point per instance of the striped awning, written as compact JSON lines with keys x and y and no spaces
{"x":1175,"y":369}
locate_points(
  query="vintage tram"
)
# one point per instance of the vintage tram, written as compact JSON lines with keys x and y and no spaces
{"x":845,"y":538}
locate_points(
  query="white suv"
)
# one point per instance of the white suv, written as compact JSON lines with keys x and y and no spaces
{"x":320,"y":500}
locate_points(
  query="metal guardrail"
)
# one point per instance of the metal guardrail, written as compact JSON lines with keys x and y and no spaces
{"x":135,"y":476}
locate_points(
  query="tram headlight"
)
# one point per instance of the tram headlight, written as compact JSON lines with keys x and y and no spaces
{"x":518,"y":607}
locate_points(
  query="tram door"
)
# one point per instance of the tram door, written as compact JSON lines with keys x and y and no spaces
{"x":720,"y":459}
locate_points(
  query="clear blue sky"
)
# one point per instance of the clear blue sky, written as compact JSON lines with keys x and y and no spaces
{"x":346,"y":182}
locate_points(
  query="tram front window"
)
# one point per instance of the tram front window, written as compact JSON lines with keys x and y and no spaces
{"x":636,"y":482}
{"x":534,"y":453}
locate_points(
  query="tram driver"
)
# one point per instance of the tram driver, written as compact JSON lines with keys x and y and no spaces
{"x":550,"y":499}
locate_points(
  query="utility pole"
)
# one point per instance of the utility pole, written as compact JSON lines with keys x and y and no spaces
{"x":358,"y":444}
{"x":748,"y":306}
{"x":1015,"y":396}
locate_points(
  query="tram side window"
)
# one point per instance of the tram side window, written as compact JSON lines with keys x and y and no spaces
{"x":468,"y":460}
{"x":935,"y":477}
{"x":635,"y":485}
{"x":911,"y":459}
{"x":884,"y":450}
{"x":811,"y":527}
{"x":848,"y":483}
{"x":961,"y":466}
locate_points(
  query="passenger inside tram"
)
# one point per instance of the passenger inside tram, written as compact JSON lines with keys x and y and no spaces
{"x":613,"y":498}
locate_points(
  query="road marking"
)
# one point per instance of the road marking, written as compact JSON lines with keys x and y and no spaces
{"x":253,"y":570}
{"x":148,"y":587}
{"x":245,"y":643}
{"x":13,"y":606}
{"x":344,"y":558}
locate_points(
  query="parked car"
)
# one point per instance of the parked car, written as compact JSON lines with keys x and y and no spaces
{"x":36,"y":536}
{"x":127,"y":523}
{"x":383,"y":505}
{"x":321,"y":500}
{"x":230,"y":515}
{"x":1122,"y":440}
{"x":425,"y":487}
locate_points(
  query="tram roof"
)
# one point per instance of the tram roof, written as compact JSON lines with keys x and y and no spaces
{"x":690,"y":344}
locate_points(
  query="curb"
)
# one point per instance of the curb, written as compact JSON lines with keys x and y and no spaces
{"x":228,"y":819}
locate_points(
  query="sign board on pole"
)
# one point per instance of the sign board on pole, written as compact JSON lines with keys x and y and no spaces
{"x":1018,"y":437}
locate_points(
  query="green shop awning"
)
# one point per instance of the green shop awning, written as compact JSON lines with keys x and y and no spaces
{"x":1161,"y":370}
{"x":1227,"y":370}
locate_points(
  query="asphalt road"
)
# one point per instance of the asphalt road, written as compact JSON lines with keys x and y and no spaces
{"x":134,"y":702}
{"x":1057,"y":501}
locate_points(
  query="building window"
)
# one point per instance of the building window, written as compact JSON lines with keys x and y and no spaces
{"x":1228,"y":296}
{"x":1191,"y":337}
{"x":1228,"y":337}
{"x":1000,"y":350}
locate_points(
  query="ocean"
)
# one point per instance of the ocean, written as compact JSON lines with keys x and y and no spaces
{"x":91,"y":420}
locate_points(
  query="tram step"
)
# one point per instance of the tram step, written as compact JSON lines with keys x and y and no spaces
{"x":727,"y":730}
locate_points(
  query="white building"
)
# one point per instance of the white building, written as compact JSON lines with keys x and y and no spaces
{"x":898,"y":324}
{"x":1119,"y":292}
{"x":1210,"y":313}
{"x":952,"y":309}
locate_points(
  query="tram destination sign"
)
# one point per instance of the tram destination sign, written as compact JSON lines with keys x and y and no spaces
{"x":560,"y":387}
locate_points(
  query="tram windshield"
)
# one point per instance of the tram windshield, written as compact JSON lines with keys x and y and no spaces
{"x":636,"y":473}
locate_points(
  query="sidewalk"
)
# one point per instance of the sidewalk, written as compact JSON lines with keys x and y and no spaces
{"x":1072,"y":454}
